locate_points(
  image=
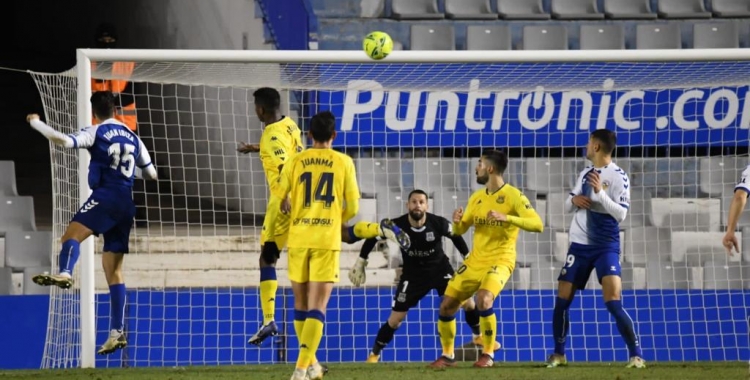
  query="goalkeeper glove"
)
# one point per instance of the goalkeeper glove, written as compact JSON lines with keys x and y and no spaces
{"x":357,"y":274}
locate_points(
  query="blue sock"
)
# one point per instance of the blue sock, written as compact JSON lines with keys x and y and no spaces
{"x":560,"y":324}
{"x":69,"y":253}
{"x":117,"y":303}
{"x":267,"y":273}
{"x":353,"y":238}
{"x":625,"y":326}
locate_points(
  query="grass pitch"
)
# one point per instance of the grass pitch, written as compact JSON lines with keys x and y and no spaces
{"x":411,"y":371}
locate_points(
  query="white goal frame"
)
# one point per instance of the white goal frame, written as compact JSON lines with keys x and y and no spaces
{"x":86,"y":56}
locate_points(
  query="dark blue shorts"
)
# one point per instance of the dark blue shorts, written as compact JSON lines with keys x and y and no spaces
{"x":109,"y":213}
{"x":582,"y":259}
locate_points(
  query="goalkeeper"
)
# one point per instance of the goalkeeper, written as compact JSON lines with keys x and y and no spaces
{"x":426,"y":267}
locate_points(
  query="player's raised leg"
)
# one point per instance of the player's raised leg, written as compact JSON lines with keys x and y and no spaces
{"x":71,"y":241}
{"x":612,"y":292}
{"x":366,"y":230}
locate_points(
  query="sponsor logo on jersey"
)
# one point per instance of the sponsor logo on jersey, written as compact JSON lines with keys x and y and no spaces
{"x":273,"y":138}
{"x":278,"y":152}
{"x":89,"y":205}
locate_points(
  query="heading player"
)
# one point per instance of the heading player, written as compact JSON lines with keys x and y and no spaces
{"x":115,"y":153}
{"x":320,"y":181}
{"x":280,"y":142}
{"x":600,"y":199}
{"x":426,"y":267}
{"x":497,"y":213}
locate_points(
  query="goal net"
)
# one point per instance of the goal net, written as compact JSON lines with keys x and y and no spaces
{"x":418,"y":120}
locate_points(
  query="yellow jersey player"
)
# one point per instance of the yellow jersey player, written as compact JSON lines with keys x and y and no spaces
{"x":497,"y":213}
{"x":320,"y":181}
{"x":280,"y":142}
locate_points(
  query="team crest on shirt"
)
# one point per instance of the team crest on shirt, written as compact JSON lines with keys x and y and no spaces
{"x":430,"y":236}
{"x":500,"y":200}
{"x":605,"y":185}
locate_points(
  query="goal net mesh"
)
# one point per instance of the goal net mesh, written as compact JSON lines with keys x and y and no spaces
{"x":192,"y":271}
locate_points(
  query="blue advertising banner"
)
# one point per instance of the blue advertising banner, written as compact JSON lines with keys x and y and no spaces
{"x":369,"y":116}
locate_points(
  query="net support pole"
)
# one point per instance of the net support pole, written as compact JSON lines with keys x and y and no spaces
{"x":88,"y":318}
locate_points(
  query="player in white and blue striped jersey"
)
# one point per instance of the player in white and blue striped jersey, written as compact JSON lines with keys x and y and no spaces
{"x":600,"y":199}
{"x":115,"y":153}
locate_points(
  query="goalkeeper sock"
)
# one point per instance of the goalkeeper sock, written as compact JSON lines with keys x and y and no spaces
{"x":268,"y":286}
{"x":625,"y":326}
{"x":312,"y":333}
{"x":366,"y":230}
{"x":560,"y":324}
{"x":69,"y":253}
{"x":385,"y":336}
{"x":488,"y":324}
{"x":472,"y":319}
{"x":447,"y":330}
{"x":117,"y":303}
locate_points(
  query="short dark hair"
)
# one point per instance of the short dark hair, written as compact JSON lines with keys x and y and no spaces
{"x":103,"y":104}
{"x":418,"y":191}
{"x":497,"y":158}
{"x":323,"y":126}
{"x":606,"y":138}
{"x":268,"y":98}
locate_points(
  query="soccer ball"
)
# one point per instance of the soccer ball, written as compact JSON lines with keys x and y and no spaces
{"x":377,"y":45}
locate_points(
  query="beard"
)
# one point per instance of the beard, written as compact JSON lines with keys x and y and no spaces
{"x":482,"y":180}
{"x":416,"y":215}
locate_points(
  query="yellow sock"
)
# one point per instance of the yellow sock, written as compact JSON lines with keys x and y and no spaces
{"x":268,"y":297}
{"x":366,"y":230}
{"x":447,"y":331}
{"x":488,"y":326}
{"x":312,"y":333}
{"x":299,"y":324}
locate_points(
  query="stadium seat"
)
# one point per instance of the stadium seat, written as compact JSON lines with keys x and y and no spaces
{"x":719,"y":173}
{"x":371,"y":9}
{"x":715,"y":36}
{"x":663,"y":275}
{"x":469,"y":10}
{"x":28,"y":249}
{"x":17,"y":213}
{"x":378,"y":174}
{"x":548,"y":175}
{"x":488,"y":37}
{"x":6,"y":282}
{"x":415,"y":10}
{"x":730,"y":8}
{"x":431,"y":174}
{"x":557,"y":216}
{"x":432,"y":37}
{"x":446,"y":201}
{"x":601,"y":37}
{"x":521,"y":10}
{"x":560,"y":246}
{"x":633,"y":277}
{"x":29,"y":287}
{"x":658,"y":36}
{"x":639,"y":214}
{"x":575,"y":10}
{"x":547,"y":37}
{"x":722,"y":274}
{"x":630,"y":9}
{"x":682,"y":9}
{"x":697,"y":247}
{"x":8,"y":179}
{"x":686,"y":214}
{"x":644,"y":242}
{"x":544,"y":275}
{"x":533,"y":248}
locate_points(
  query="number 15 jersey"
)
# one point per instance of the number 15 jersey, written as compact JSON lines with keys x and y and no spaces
{"x":318,"y":182}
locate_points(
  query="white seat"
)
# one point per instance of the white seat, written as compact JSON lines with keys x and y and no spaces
{"x":532,"y":248}
{"x":8,"y":179}
{"x":686,"y":214}
{"x":720,"y":172}
{"x":548,"y":175}
{"x":17,"y":213}
{"x":698,"y":246}
{"x":644,"y":242}
{"x":722,"y":274}
{"x":28,"y":249}
{"x":558,"y":217}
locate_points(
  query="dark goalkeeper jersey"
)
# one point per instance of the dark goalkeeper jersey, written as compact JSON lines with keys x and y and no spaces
{"x":426,"y":255}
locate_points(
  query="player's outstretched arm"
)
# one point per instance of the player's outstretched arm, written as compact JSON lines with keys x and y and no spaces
{"x":526,"y":217}
{"x":458,"y":240}
{"x":52,"y":135}
{"x":735,"y":210}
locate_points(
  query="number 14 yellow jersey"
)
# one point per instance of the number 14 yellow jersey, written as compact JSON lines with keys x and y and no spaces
{"x":318,"y":182}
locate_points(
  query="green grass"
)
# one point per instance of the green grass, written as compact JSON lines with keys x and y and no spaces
{"x":579,"y":371}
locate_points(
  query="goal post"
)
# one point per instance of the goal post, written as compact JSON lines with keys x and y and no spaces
{"x":414,"y":119}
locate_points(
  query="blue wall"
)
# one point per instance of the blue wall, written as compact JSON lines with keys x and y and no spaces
{"x":210,"y":326}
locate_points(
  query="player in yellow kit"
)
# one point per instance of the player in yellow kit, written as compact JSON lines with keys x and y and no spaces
{"x":320,"y":181}
{"x":497,"y":213}
{"x":280,"y":142}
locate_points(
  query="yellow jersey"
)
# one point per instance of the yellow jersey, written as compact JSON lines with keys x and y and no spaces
{"x":496,"y":241}
{"x":319,"y":181}
{"x":280,"y":142}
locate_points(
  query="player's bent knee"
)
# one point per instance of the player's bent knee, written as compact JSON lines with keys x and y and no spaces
{"x":449,"y":306}
{"x":77,"y":232}
{"x":485,"y":299}
{"x":611,"y":288}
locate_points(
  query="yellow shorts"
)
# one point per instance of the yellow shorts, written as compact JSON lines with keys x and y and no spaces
{"x":469,"y":279}
{"x":281,"y":232}
{"x":316,"y":265}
